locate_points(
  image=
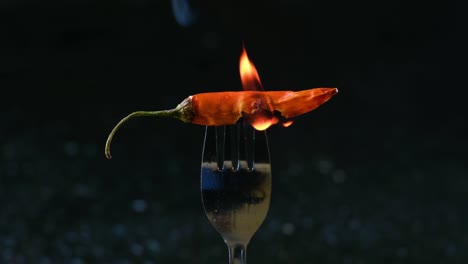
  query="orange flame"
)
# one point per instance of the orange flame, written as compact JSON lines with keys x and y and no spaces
{"x":248,"y":73}
{"x":262,"y":125}
{"x":262,"y":118}
{"x":261,"y":122}
{"x":287,"y":123}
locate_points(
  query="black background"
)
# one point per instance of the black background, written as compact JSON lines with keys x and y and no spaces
{"x":376,"y":175}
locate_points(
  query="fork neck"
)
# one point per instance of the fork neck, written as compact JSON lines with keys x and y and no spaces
{"x":237,"y":253}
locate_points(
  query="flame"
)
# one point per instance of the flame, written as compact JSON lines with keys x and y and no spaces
{"x":287,"y":123}
{"x":262,"y":123}
{"x":248,"y":73}
{"x":263,"y":118}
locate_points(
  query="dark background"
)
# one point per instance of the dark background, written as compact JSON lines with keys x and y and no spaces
{"x":376,"y":175}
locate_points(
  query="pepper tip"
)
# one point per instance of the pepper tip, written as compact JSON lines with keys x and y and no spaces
{"x":332,"y":91}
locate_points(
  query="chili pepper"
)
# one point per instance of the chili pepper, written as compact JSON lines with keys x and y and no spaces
{"x":259,"y":108}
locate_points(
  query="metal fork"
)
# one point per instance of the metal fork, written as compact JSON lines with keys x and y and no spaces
{"x":236,"y":184}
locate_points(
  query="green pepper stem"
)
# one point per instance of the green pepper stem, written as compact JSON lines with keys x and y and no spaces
{"x":163,"y":113}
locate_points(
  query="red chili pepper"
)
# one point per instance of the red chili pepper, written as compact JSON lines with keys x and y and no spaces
{"x":259,"y":108}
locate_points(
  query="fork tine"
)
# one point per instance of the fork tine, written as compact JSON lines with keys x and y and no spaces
{"x":220,"y":134}
{"x":249,"y":139}
{"x":234,"y":134}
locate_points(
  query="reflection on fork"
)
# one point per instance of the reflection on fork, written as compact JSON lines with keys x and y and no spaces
{"x":236,"y":184}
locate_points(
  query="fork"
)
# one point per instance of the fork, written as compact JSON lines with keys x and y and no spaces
{"x":236,"y":184}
